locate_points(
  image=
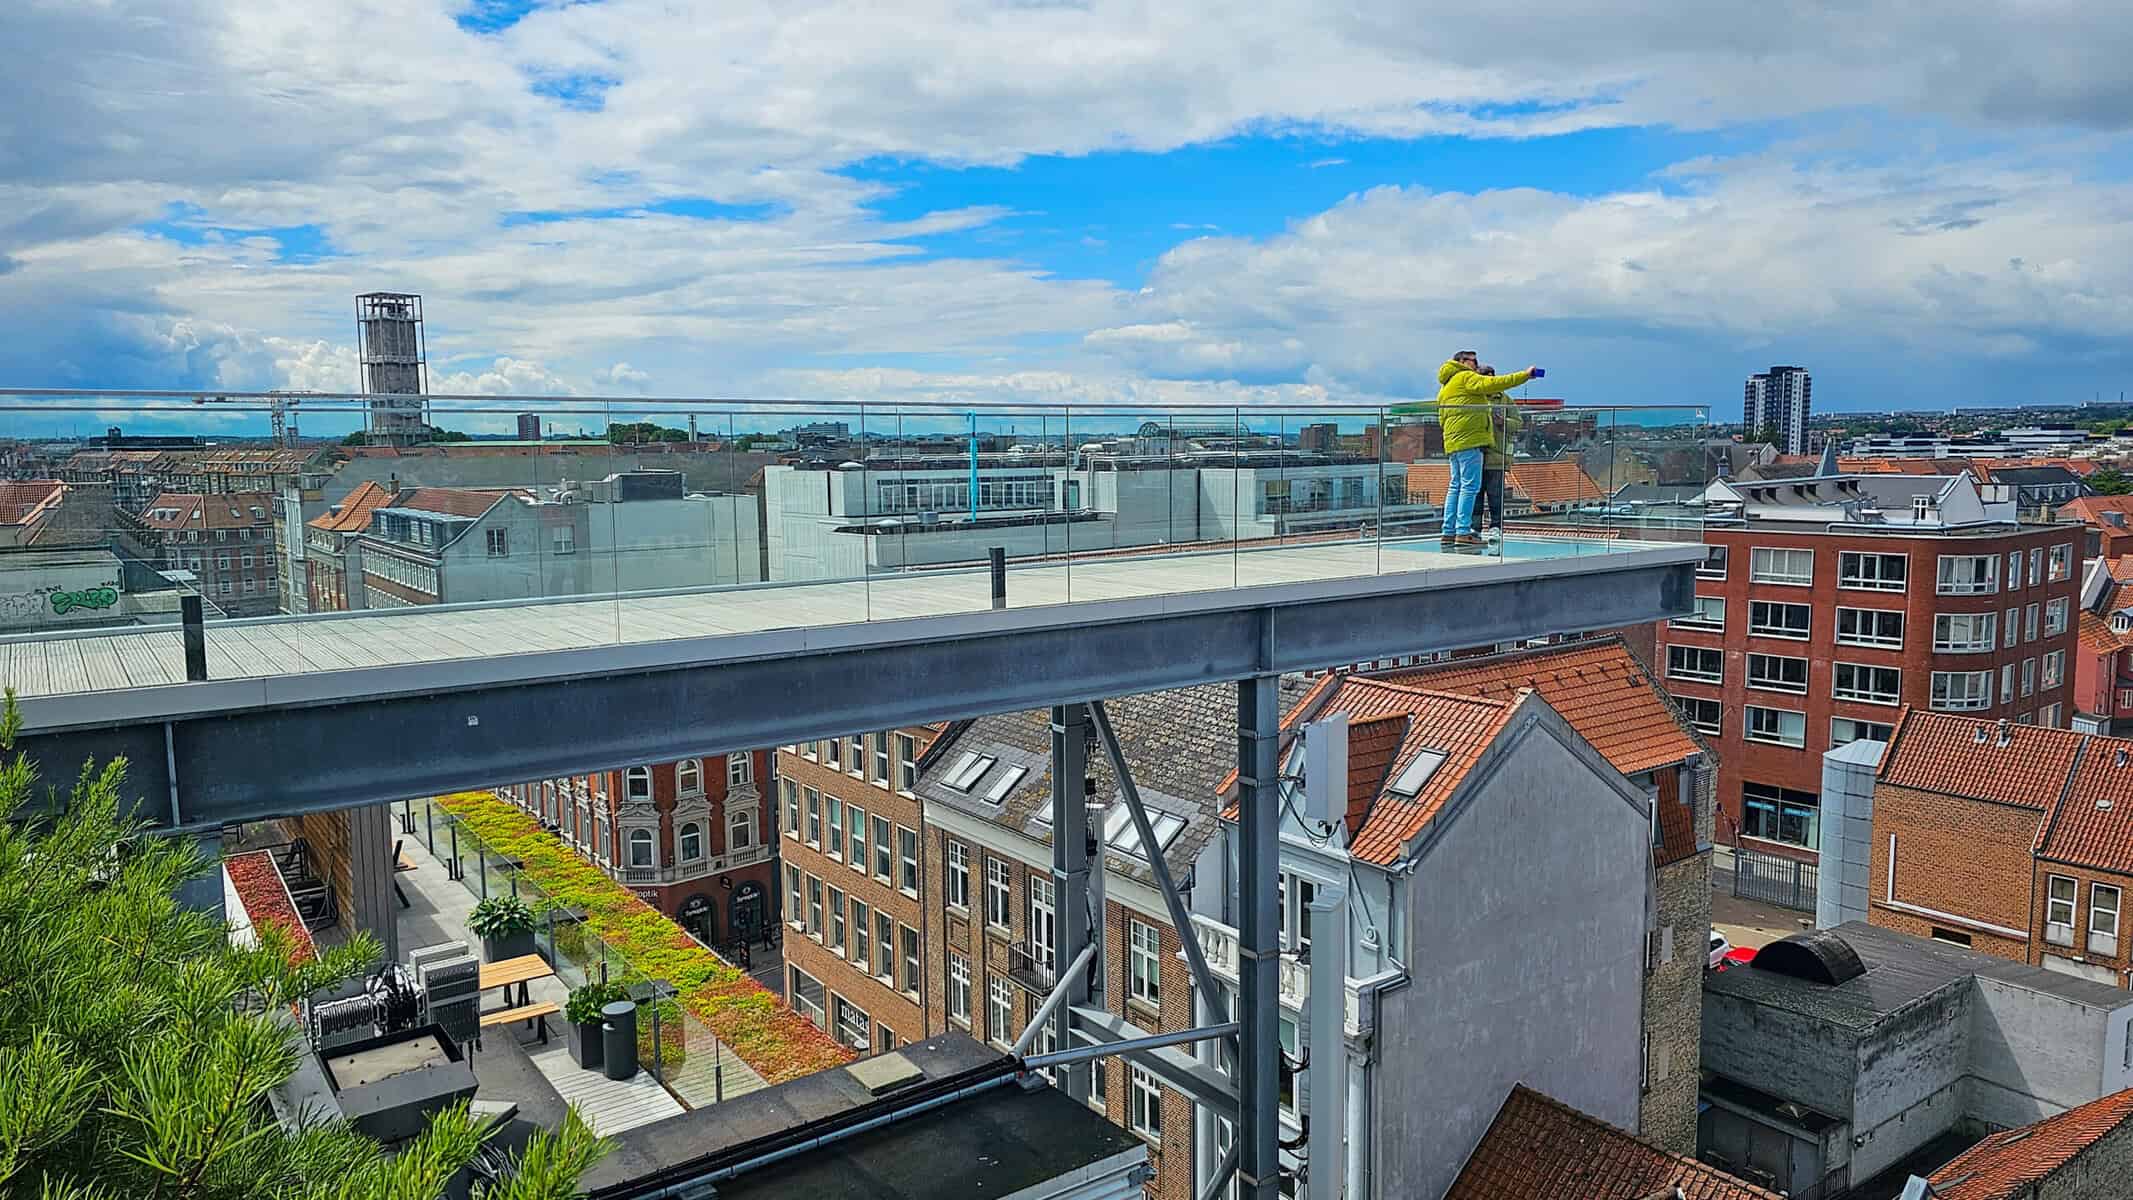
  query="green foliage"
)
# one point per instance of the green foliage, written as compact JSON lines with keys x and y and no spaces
{"x":358,"y":438}
{"x":138,"y":1046}
{"x":587,"y":1000}
{"x":638,"y":433}
{"x":501,"y":916}
{"x":2110,"y":481}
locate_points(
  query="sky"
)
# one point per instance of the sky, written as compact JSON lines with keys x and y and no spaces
{"x":1048,"y":202}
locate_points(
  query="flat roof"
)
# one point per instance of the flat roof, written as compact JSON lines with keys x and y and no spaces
{"x":995,"y":1143}
{"x":1900,"y":970}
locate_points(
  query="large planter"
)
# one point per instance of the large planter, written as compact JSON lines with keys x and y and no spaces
{"x":586,"y":1045}
{"x":509,"y":945}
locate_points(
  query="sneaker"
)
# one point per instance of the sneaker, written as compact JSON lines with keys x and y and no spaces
{"x":1447,"y":543}
{"x":1468,"y":540}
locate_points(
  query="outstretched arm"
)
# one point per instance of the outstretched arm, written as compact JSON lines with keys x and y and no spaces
{"x":1496,"y":384}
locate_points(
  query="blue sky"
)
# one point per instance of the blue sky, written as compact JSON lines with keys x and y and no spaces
{"x":1097,"y":201}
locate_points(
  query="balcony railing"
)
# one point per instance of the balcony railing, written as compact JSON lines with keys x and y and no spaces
{"x":1033,"y":970}
{"x":684,"y":872}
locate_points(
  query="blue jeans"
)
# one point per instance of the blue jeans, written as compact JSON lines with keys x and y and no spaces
{"x":1460,"y":492}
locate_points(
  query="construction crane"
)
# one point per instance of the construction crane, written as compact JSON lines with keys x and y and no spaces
{"x":281,"y":412}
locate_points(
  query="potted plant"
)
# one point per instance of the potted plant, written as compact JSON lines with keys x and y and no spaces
{"x":582,"y":1014}
{"x":505,"y":926}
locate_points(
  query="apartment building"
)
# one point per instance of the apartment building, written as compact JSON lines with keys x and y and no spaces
{"x":1828,"y":603}
{"x":2105,"y":533}
{"x":331,"y":555}
{"x":693,"y":838}
{"x":852,"y":887}
{"x":2014,"y":841}
{"x":1779,"y":401}
{"x":991,"y":908}
{"x":225,"y":540}
{"x":2103,"y":649}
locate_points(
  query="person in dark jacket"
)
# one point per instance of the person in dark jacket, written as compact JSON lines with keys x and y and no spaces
{"x":1495,"y":460}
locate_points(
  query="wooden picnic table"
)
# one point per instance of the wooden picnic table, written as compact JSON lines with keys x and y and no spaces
{"x":521,"y":971}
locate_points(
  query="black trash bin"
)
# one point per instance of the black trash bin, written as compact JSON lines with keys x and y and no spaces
{"x":618,"y":1039}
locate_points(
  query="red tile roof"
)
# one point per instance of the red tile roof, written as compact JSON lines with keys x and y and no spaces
{"x":1542,"y":1149}
{"x":1554,"y":481}
{"x":2082,"y":830}
{"x":2089,"y":510}
{"x":1458,"y":727}
{"x":454,"y":502}
{"x":1941,"y":752}
{"x":2095,"y":635}
{"x":2121,"y":568}
{"x":221,"y":510}
{"x":2006,"y":1164}
{"x":21,"y":500}
{"x":1373,"y":745}
{"x":355,"y":508}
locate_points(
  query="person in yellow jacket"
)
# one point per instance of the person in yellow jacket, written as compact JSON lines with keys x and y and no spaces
{"x":1495,"y":460}
{"x":1466,"y":404}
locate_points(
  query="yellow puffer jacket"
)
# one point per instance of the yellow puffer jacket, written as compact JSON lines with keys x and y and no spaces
{"x":1464,"y":403}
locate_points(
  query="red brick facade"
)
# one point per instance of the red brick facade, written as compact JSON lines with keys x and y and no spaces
{"x":2049,"y":575}
{"x":1961,"y":864}
{"x":857,"y":880}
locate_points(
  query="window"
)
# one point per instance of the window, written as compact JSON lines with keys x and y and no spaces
{"x":882,"y":852}
{"x":563,"y":540}
{"x":2048,"y":716}
{"x":967,"y":770}
{"x":885,"y":948}
{"x":740,"y":770}
{"x":637,"y":783}
{"x":793,"y":911}
{"x":1713,"y":565}
{"x":814,"y":907}
{"x":1144,"y":1105}
{"x":640,"y":847}
{"x":911,"y":963}
{"x":853,"y":1027}
{"x":740,"y":831}
{"x":688,"y":777}
{"x":499,"y":543}
{"x":1873,"y":572}
{"x":692,"y":842}
{"x":860,"y":946}
{"x":999,"y":892}
{"x":1962,"y":691}
{"x":836,"y":926}
{"x":792,"y":808}
{"x":835,"y":849}
{"x":1695,"y":663}
{"x":1709,"y":613}
{"x":2059,"y":910}
{"x":999,"y":1011}
{"x":1774,"y":673}
{"x":1969,"y":574}
{"x":959,"y":989}
{"x":2062,"y":558}
{"x":245,"y":560}
{"x":958,"y":875}
{"x":2054,"y":669}
{"x":907,"y":861}
{"x":1770,"y":619}
{"x":1870,"y":627}
{"x":1843,"y":731}
{"x":880,"y":743}
{"x":1705,"y":716}
{"x":2036,"y":566}
{"x":1954,"y":937}
{"x":1794,"y":568}
{"x":1872,"y":685}
{"x":1043,"y":923}
{"x":2103,"y":920}
{"x":906,"y":763}
{"x":2055,"y":617}
{"x":2013,"y":626}
{"x":855,"y":755}
{"x":2014,"y":569}
{"x":814,"y":817}
{"x":1777,"y":814}
{"x":807,"y":997}
{"x":1779,"y":727}
{"x":833,"y":753}
{"x":855,"y":823}
{"x":1100,"y":1091}
{"x":1964,"y":633}
{"x":1145,"y":944}
{"x":2029,"y":676}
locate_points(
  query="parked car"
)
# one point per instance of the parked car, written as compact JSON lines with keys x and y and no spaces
{"x":1720,"y":948}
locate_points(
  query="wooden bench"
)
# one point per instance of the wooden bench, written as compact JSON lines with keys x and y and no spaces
{"x":532,"y":1014}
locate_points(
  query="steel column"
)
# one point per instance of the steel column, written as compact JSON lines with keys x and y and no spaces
{"x":1070,"y":876}
{"x":1258,"y":939}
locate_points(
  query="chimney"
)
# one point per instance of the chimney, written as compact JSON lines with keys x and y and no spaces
{"x":392,"y":483}
{"x":2006,"y":731}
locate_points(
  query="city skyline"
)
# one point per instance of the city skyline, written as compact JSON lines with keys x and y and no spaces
{"x":1048,"y":202}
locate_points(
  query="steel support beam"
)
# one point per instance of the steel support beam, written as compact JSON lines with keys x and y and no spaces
{"x":1071,"y":843}
{"x":1199,"y":1082}
{"x":1053,"y":1002}
{"x":1152,"y":1041}
{"x":247,"y":750}
{"x":1258,"y":939}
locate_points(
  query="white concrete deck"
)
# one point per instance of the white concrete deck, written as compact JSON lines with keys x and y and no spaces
{"x":265,"y":648}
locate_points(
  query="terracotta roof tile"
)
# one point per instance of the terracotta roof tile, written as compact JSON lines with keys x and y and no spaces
{"x":1941,"y":752}
{"x":355,"y":509}
{"x":2089,"y":510}
{"x":1541,"y":1149}
{"x":223,"y":510}
{"x":2006,"y":1164}
{"x":1458,"y":727}
{"x":2121,"y":568}
{"x":1373,"y":745}
{"x":1554,"y":481}
{"x":2094,"y":633}
{"x":454,"y":502}
{"x":24,"y":498}
{"x":2083,"y":831}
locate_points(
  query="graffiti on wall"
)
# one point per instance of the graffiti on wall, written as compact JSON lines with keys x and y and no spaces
{"x":96,"y":597}
{"x":39,"y":605}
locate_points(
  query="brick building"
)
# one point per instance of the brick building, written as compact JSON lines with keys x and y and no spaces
{"x":2084,"y":1153}
{"x":693,"y":837}
{"x":2106,"y":533}
{"x":1829,"y":602}
{"x":990,"y":905}
{"x":852,"y":886}
{"x":2014,"y":841}
{"x":331,"y":563}
{"x":225,"y":540}
{"x":2103,"y":649}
